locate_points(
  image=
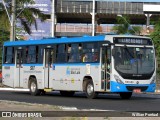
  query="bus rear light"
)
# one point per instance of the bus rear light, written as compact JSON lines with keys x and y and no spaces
{"x":118,"y":79}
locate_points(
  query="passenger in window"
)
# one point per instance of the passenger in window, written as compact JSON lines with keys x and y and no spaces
{"x":95,"y":57}
{"x":85,"y":58}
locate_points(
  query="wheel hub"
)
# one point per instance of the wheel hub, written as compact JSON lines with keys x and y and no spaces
{"x":33,"y":87}
{"x":90,"y":89}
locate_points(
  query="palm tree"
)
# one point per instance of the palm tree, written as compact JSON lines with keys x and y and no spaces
{"x":26,"y":15}
{"x":123,"y":26}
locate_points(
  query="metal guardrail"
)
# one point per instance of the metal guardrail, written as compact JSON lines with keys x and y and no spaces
{"x":87,"y":28}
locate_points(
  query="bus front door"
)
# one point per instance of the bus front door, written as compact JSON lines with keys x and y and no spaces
{"x":47,"y":67}
{"x":105,"y":67}
{"x":18,"y":82}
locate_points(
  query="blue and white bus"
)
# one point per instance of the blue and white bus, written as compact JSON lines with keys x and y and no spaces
{"x":120,"y":64}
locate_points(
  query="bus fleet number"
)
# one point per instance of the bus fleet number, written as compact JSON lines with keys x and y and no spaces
{"x":32,"y":68}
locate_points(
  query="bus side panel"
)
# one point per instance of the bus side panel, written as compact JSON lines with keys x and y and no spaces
{"x":8,"y":75}
{"x":70,"y":76}
{"x":66,"y":78}
{"x":35,"y":71}
{"x":95,"y":73}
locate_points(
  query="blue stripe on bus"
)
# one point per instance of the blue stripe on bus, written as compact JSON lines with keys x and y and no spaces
{"x":56,"y":41}
{"x":74,"y":64}
{"x":117,"y":87}
{"x":23,"y":64}
{"x":8,"y":64}
{"x":32,"y":64}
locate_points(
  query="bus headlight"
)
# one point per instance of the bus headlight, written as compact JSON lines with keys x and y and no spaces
{"x":118,"y":79}
{"x":153,"y":80}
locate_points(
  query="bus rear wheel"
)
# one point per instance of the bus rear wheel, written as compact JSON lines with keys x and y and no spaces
{"x":125,"y":95}
{"x":67,"y":93}
{"x":89,"y":90}
{"x":33,"y":87}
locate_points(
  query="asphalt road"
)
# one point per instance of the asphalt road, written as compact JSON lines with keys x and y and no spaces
{"x":138,"y":102}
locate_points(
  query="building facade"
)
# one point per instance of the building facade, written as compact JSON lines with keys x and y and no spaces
{"x":74,"y":17}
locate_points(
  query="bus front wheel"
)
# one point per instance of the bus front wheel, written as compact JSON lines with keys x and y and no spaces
{"x":89,"y":90}
{"x":125,"y":95}
{"x":33,"y":87}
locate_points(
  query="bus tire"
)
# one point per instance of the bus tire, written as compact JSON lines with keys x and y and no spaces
{"x":89,"y":90}
{"x":33,"y":87}
{"x":125,"y":95}
{"x":67,"y":93}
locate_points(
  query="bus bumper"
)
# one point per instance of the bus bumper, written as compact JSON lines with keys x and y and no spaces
{"x":117,"y":87}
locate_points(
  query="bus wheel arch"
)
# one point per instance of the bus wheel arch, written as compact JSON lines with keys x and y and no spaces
{"x":88,"y":87}
{"x":32,"y":85}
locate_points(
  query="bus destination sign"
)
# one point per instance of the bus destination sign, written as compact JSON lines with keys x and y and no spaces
{"x":132,"y":40}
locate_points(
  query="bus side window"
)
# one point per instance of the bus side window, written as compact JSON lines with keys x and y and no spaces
{"x":31,"y":57}
{"x":90,"y":52}
{"x":74,"y":55}
{"x":9,"y":53}
{"x":52,"y":55}
{"x":40,"y":54}
{"x":61,"y":53}
{"x":68,"y":49}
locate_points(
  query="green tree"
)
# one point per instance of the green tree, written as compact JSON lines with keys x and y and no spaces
{"x":24,"y":14}
{"x":155,"y":35}
{"x":123,"y":26}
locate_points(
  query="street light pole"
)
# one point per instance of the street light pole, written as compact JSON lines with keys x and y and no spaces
{"x":13,"y":21}
{"x":93,"y":18}
{"x":53,"y":19}
{"x":127,"y":22}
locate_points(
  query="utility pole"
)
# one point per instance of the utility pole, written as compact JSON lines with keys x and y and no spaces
{"x":93,"y":18}
{"x":13,"y":21}
{"x":53,"y":19}
{"x":148,"y":22}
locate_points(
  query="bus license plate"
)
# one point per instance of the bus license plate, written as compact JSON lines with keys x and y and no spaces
{"x":137,"y":90}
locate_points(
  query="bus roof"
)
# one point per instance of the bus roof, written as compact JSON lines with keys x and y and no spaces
{"x":56,"y":41}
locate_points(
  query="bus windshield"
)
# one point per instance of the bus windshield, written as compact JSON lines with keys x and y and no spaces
{"x":134,"y":62}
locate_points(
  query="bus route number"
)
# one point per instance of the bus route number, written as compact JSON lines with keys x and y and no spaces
{"x":32,"y":67}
